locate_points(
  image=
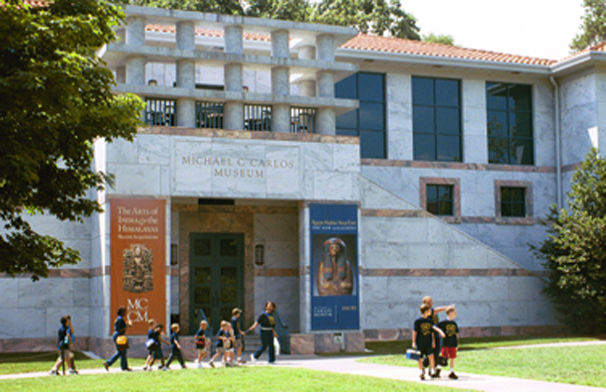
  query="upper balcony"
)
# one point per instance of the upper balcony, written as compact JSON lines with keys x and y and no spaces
{"x":206,"y":65}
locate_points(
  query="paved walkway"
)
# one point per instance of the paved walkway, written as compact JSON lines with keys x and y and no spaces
{"x":350,"y":365}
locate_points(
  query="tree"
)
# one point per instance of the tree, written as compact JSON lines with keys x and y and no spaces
{"x":593,"y":28}
{"x":230,"y":7}
{"x":295,"y":10}
{"x":575,"y":251}
{"x":439,"y":39}
{"x":55,"y":101}
{"x":381,"y":17}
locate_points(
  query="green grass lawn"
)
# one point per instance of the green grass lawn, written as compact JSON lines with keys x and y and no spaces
{"x":400,"y":346}
{"x":583,"y":365}
{"x":243,"y":379}
{"x":42,"y":362}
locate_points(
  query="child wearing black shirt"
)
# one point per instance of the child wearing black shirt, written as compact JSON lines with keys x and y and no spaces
{"x":451,"y":341}
{"x":424,"y":340}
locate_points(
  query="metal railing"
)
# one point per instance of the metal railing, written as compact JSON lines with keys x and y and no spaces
{"x":160,"y":111}
{"x":209,"y":115}
{"x":257,"y":117}
{"x":302,"y":120}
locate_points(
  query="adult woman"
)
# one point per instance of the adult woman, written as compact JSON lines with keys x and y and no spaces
{"x":120,"y":327}
{"x":267,"y":323}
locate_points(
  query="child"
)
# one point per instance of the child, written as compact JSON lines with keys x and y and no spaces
{"x":427,"y":300}
{"x":63,"y":345}
{"x":451,"y":341}
{"x":238,"y":333}
{"x":225,"y":340}
{"x":202,"y":342}
{"x":155,"y":351}
{"x":424,"y":340}
{"x":175,"y":347}
{"x":150,"y":344}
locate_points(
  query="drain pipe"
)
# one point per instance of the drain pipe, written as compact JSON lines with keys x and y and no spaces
{"x":558,"y":142}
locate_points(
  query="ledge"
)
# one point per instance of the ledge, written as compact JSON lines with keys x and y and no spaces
{"x":250,"y":135}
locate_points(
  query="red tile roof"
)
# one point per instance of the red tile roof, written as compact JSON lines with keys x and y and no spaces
{"x":366,"y":42}
{"x":208,"y":33}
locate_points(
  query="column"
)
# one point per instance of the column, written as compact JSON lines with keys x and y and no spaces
{"x":474,"y":128}
{"x":325,"y":83}
{"x":304,"y":268}
{"x":233,"y":112}
{"x":186,"y":75}
{"x":307,"y":87}
{"x":280,"y":82}
{"x":135,"y":35}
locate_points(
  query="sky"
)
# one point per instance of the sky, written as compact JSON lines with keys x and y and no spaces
{"x":537,"y":28}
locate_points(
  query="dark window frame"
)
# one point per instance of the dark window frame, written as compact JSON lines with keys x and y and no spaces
{"x":509,"y":139}
{"x":435,"y":106}
{"x":499,"y":185}
{"x":357,"y":131}
{"x":455,"y":183}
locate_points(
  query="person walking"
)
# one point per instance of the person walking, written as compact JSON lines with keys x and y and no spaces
{"x":268,"y":333}
{"x":120,"y":327}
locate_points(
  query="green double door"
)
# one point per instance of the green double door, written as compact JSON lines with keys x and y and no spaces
{"x":216,"y":277}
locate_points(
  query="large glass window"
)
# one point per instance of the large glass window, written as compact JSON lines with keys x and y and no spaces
{"x":368,"y":121}
{"x":436,"y":119}
{"x":513,"y":201}
{"x":509,"y":117}
{"x":439,"y":199}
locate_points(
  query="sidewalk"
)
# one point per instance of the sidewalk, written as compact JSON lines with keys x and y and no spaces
{"x":350,"y":365}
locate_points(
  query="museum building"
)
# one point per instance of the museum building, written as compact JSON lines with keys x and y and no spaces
{"x":343,"y":176}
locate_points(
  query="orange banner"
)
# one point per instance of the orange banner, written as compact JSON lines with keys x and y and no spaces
{"x":138,"y":261}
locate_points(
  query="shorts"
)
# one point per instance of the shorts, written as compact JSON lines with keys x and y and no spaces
{"x":449,"y":352}
{"x":202,"y":350}
{"x":425,"y":350}
{"x":238,"y":343}
{"x":67,"y":354}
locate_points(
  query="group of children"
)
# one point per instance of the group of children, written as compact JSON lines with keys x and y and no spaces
{"x":65,"y":339}
{"x":426,"y":335}
{"x":229,"y":339}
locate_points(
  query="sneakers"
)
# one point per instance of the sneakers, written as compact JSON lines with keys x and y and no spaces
{"x":453,"y":376}
{"x":164,"y":368}
{"x":422,"y":376}
{"x":53,"y":372}
{"x":252,"y":358}
{"x":106,"y":366}
{"x":72,"y":371}
{"x":437,"y":371}
{"x":435,"y":374}
{"x":146,"y":368}
{"x":199,"y":365}
{"x":212,"y":364}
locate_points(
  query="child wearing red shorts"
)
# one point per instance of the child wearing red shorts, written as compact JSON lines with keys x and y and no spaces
{"x":451,"y":341}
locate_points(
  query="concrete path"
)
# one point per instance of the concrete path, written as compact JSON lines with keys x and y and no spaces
{"x":350,"y":365}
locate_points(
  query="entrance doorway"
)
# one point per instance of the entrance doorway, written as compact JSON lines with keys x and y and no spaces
{"x":216,"y":277}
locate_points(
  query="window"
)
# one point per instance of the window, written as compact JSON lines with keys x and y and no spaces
{"x":509,"y":123}
{"x":513,"y":202}
{"x":439,"y":199}
{"x":436,"y":119}
{"x":368,"y":121}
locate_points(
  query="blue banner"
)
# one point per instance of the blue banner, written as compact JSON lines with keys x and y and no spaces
{"x":334,"y":266}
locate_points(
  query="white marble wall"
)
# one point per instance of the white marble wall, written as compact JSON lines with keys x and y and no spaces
{"x":33,"y":309}
{"x":278,"y":233}
{"x":394,"y":243}
{"x":473,"y":111}
{"x":579,"y":116}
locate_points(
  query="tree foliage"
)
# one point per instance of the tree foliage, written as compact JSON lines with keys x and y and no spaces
{"x":55,"y":100}
{"x":593,"y":28}
{"x":381,"y":17}
{"x":439,"y":39}
{"x":575,"y":250}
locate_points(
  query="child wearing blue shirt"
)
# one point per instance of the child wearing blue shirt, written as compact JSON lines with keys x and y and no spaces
{"x":64,"y":340}
{"x":202,"y":342}
{"x":175,"y":347}
{"x":225,"y":344}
